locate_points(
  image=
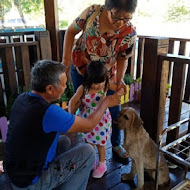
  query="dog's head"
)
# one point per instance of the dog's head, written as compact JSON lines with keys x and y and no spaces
{"x":129,"y":119}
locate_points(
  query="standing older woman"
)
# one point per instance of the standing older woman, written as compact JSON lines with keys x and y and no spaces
{"x":107,"y":36}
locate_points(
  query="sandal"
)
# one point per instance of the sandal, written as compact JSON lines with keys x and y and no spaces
{"x":120,"y":154}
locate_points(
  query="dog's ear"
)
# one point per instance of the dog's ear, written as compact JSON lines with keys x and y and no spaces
{"x":137,"y":121}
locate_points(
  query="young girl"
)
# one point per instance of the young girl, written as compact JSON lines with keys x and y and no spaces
{"x":90,"y":94}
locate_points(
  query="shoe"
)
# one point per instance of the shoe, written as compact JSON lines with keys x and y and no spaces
{"x":94,"y":165}
{"x":100,"y":170}
{"x":120,"y":154}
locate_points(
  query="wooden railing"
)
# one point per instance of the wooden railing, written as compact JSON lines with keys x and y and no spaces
{"x":18,"y":52}
{"x":159,"y":68}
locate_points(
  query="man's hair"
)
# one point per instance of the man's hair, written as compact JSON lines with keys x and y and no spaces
{"x":46,"y":72}
{"x":125,"y":5}
{"x":96,"y":72}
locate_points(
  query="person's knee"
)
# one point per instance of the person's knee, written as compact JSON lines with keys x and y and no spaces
{"x":65,"y":140}
{"x":89,"y":152}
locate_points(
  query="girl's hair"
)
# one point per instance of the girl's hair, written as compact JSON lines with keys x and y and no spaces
{"x":126,"y":5}
{"x":96,"y":72}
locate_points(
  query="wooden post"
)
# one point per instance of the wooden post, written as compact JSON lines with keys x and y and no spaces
{"x":187,"y":87}
{"x":8,"y":66}
{"x":176,"y":94}
{"x":140,"y":57}
{"x":52,"y":25}
{"x":61,"y":39}
{"x":170,"y":50}
{"x":153,"y":84}
{"x":44,"y":42}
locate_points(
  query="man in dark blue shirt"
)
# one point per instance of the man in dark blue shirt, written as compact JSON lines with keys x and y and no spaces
{"x":37,"y":157}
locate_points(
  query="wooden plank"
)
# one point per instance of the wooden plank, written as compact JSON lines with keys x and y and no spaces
{"x":38,"y":52}
{"x":2,"y":103}
{"x":132,"y":71}
{"x":11,"y":71}
{"x":19,"y":67}
{"x":5,"y":71}
{"x":176,"y":95}
{"x":7,"y":45}
{"x":152,"y":83}
{"x":43,"y":38}
{"x":187,"y":87}
{"x":61,"y":39}
{"x":8,"y":71}
{"x":171,"y":51}
{"x":176,"y":58}
{"x":52,"y":25}
{"x":26,"y":65}
{"x":33,"y":54}
{"x":140,"y":57}
{"x":162,"y":79}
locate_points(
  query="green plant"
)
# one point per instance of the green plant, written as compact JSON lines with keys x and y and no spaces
{"x":63,"y":24}
{"x":128,"y":79}
{"x":168,"y":86}
{"x":66,"y":96}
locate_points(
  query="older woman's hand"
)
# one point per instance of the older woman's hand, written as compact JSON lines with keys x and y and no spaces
{"x":113,"y":100}
{"x":123,"y":86}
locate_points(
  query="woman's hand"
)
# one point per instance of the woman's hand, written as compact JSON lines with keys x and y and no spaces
{"x":123,"y":86}
{"x":113,"y":100}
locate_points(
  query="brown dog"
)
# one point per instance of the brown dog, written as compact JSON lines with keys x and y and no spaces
{"x":141,"y":149}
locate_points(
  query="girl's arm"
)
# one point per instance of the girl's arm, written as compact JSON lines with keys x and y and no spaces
{"x":75,"y":101}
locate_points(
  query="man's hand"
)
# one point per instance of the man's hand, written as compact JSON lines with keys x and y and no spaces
{"x":113,"y":100}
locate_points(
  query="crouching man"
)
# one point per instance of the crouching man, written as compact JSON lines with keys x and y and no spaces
{"x":37,"y":157}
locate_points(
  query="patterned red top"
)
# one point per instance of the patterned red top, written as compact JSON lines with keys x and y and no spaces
{"x":107,"y":47}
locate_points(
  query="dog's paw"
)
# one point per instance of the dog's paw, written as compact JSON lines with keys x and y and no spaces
{"x":126,"y":177}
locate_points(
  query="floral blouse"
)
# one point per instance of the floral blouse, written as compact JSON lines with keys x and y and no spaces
{"x":107,"y":47}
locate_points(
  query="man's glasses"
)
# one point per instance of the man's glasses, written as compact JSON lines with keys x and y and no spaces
{"x":115,"y":19}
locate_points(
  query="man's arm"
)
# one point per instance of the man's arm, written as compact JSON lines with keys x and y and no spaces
{"x":87,"y":125}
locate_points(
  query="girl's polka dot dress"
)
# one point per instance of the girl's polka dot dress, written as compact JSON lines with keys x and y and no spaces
{"x":102,"y":131}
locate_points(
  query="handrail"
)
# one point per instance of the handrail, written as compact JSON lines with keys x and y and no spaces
{"x":172,"y":39}
{"x":175,"y":58}
{"x":16,"y":44}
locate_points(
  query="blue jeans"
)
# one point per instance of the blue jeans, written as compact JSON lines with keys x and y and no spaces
{"x":69,"y":170}
{"x":116,"y":133}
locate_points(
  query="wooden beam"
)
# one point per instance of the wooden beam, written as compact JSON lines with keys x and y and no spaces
{"x":52,"y":25}
{"x":176,"y":94}
{"x":154,"y":81}
{"x":140,"y":57}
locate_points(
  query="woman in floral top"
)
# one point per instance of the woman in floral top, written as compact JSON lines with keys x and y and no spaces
{"x":107,"y":36}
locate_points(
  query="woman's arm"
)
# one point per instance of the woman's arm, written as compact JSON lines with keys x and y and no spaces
{"x":121,"y":69}
{"x":68,"y":44}
{"x":75,"y":101}
{"x":112,"y":86}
